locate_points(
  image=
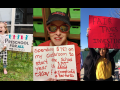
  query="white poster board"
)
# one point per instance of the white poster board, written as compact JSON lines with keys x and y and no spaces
{"x":56,"y":62}
{"x":20,"y":42}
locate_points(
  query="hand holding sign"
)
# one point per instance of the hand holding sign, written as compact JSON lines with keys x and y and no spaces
{"x":54,"y":62}
{"x":87,"y":31}
{"x":4,"y":48}
{"x":104,"y":32}
{"x":51,"y":79}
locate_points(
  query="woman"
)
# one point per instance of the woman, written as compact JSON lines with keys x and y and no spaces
{"x":101,"y":64}
{"x":58,"y":26}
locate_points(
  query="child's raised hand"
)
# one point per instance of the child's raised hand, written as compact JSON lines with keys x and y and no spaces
{"x":4,"y":48}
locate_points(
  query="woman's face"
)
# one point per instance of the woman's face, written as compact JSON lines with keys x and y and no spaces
{"x":102,"y":52}
{"x":58,"y":38}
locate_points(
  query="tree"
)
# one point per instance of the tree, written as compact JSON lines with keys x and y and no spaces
{"x":86,"y":49}
{"x":115,"y":12}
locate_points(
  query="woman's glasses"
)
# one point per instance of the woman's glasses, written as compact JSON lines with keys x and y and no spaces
{"x":52,"y":28}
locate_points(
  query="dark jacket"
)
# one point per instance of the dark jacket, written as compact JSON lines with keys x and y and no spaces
{"x":90,"y":63}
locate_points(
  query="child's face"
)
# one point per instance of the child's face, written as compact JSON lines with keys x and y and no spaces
{"x":2,"y":29}
{"x":58,"y":38}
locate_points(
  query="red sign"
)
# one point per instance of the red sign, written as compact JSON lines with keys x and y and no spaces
{"x":104,"y":32}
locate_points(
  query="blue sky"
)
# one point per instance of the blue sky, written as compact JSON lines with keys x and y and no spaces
{"x":85,"y":12}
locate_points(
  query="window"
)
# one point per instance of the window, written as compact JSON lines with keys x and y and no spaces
{"x":24,"y":29}
{"x":19,"y":20}
{"x":23,"y":20}
{"x":9,"y":28}
{"x":5,"y":15}
{"x":24,"y":16}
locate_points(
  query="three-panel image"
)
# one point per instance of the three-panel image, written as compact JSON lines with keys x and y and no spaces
{"x":59,"y":44}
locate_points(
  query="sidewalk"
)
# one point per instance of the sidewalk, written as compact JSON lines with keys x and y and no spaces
{"x":114,"y":79}
{"x":82,"y":74}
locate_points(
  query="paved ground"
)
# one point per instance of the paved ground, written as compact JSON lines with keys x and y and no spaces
{"x":115,"y":79}
{"x":82,"y":74}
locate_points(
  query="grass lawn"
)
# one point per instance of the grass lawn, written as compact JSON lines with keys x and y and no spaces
{"x":18,"y":69}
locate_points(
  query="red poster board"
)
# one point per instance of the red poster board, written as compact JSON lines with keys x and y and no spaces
{"x":104,"y":32}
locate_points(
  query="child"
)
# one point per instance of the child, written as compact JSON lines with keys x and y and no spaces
{"x":3,"y":44}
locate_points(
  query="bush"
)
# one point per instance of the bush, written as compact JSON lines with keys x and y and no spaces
{"x":86,"y":49}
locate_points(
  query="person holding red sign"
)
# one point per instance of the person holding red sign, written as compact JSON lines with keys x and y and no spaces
{"x":58,"y":26}
{"x":101,"y":64}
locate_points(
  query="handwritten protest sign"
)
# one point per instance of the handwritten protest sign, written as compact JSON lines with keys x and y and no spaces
{"x":20,"y":42}
{"x":104,"y":32}
{"x":56,"y":62}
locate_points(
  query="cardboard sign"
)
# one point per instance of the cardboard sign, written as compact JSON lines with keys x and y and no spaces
{"x":56,"y":62}
{"x":20,"y":42}
{"x":104,"y":32}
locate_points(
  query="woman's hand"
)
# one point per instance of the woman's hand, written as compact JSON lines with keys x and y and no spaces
{"x":62,"y":80}
{"x":51,"y":79}
{"x":88,"y":31}
{"x":4,"y":48}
